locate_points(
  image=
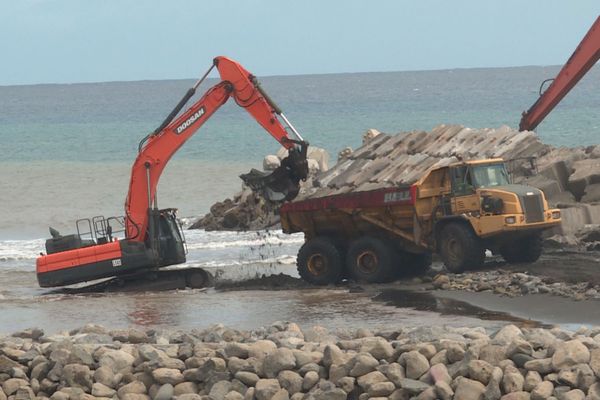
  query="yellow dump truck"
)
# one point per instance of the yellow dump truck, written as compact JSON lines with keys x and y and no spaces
{"x":457,"y":211}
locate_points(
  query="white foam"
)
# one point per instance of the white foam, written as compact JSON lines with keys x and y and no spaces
{"x":227,"y":255}
{"x":243,"y":243}
{"x":200,"y":239}
{"x":14,"y":250}
{"x":281,"y":260}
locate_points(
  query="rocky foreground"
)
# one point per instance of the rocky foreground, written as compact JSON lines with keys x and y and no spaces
{"x":283,"y":361}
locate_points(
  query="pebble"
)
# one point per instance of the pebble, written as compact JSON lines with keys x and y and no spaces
{"x":415,"y":364}
{"x":511,"y":284}
{"x":468,"y":389}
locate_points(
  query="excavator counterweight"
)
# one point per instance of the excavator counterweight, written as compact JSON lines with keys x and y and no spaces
{"x":152,"y":237}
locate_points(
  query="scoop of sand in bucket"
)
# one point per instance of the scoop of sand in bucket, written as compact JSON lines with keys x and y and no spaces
{"x":283,"y":184}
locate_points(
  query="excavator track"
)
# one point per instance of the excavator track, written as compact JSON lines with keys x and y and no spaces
{"x":147,"y":281}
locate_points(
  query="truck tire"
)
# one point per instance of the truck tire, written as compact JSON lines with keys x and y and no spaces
{"x":460,"y":248}
{"x":370,"y":260}
{"x":320,"y":262}
{"x":524,"y":250}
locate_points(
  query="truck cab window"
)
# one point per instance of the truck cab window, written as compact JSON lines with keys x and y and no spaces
{"x":462,"y":184}
{"x":490,"y":175}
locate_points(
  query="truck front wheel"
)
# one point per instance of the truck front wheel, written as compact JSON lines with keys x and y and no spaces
{"x":370,"y":260}
{"x":460,"y":248}
{"x":320,"y":262}
{"x":524,"y":250}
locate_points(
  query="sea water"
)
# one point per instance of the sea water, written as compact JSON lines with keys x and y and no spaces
{"x":67,"y":149}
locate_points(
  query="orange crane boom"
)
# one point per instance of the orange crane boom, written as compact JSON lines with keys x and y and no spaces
{"x":583,"y":58}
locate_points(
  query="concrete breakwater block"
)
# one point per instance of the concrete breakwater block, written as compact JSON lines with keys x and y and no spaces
{"x":559,"y":172}
{"x":388,"y":160}
{"x":587,"y":172}
{"x":578,"y":216}
{"x":592,"y":193}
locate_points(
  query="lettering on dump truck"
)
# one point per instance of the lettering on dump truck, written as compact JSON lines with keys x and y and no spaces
{"x":393,"y":197}
{"x":193,"y":118}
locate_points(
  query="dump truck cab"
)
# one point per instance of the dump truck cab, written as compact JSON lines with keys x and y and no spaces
{"x":506,"y":218}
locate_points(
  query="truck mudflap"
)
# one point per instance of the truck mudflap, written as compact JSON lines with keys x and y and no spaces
{"x":91,"y":263}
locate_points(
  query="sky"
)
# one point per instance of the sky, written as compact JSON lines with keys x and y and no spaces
{"x":68,"y":41}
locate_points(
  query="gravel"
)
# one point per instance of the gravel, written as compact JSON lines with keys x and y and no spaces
{"x":282,"y":361}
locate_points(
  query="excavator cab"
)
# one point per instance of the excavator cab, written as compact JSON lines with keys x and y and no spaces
{"x":168,"y":239}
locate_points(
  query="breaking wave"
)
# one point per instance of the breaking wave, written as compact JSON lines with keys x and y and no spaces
{"x":16,"y":250}
{"x":221,"y":240}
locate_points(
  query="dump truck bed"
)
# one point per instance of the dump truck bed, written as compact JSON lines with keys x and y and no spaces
{"x":385,"y":197}
{"x":351,"y":215}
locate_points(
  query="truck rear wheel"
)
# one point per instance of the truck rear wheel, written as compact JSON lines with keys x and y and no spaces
{"x":524,"y":250}
{"x":460,"y":248}
{"x":370,"y":260}
{"x":320,"y":262}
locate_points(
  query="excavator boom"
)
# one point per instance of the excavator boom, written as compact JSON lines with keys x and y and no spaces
{"x":158,"y":147}
{"x":583,"y":58}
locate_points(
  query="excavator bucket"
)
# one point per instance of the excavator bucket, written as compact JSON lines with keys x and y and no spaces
{"x":283,"y":184}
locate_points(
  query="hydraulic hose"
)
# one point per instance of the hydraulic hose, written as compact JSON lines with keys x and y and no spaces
{"x":188,"y":95}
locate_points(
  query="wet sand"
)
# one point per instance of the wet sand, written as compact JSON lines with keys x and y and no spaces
{"x":247,"y":309}
{"x":252,"y":295}
{"x":564,"y":266}
{"x":248,"y":306}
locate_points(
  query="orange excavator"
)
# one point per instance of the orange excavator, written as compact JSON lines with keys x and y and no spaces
{"x":151,"y":237}
{"x":583,"y":58}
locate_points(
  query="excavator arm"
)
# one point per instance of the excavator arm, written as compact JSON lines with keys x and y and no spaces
{"x":156,"y":149}
{"x":580,"y":62}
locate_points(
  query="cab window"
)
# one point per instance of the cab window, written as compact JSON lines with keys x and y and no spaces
{"x":462,"y":183}
{"x":490,"y":175}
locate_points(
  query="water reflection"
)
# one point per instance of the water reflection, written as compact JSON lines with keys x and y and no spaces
{"x":146,"y":314}
{"x":243,"y":309}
